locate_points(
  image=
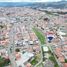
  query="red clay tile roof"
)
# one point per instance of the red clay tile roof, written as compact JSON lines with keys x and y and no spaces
{"x":64,"y":64}
{"x":61,"y":59}
{"x":58,"y":52}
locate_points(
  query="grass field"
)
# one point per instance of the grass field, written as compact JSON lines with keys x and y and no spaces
{"x":40,"y":36}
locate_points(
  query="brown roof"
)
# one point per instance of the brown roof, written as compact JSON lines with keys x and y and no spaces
{"x":61,"y":59}
{"x":64,"y":64}
{"x":58,"y":51}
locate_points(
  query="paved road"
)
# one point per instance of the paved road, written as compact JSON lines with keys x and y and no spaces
{"x":48,"y":63}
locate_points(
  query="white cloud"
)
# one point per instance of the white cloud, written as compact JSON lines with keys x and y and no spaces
{"x":27,"y":0}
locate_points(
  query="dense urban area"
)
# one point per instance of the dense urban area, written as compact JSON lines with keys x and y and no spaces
{"x":33,"y":37}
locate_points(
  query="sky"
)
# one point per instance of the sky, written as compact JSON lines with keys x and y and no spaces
{"x":29,"y":0}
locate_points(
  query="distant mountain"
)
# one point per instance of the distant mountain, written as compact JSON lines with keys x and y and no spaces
{"x":14,"y":4}
{"x":60,"y":4}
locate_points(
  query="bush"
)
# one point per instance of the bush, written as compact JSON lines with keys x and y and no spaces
{"x":17,"y":50}
{"x":4,"y":62}
{"x":65,"y":60}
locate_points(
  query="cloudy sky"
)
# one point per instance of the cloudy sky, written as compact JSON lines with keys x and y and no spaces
{"x":28,"y":0}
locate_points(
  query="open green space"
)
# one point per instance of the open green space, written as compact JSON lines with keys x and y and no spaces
{"x":40,"y":36}
{"x":52,"y":58}
{"x":42,"y":39}
{"x":34,"y":61}
{"x":4,"y":62}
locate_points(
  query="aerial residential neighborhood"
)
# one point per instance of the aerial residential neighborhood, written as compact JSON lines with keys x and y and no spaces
{"x":33,"y":36}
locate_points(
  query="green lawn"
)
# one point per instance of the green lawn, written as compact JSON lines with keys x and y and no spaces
{"x":52,"y":58}
{"x":34,"y":61}
{"x":40,"y":36}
